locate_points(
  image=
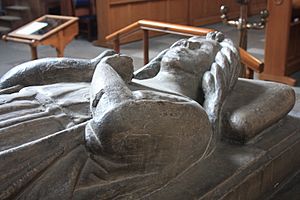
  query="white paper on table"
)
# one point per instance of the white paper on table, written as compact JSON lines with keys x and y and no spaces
{"x":31,"y":28}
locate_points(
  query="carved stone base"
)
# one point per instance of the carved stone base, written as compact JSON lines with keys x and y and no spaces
{"x":251,"y":171}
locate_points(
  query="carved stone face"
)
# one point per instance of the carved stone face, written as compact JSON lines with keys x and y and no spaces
{"x":194,"y":55}
{"x":183,"y":66}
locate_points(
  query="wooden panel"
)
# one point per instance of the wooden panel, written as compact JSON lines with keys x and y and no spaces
{"x":207,"y":11}
{"x":164,"y":10}
{"x":177,"y":11}
{"x":282,"y":56}
{"x":277,"y":30}
{"x":113,"y":15}
{"x":116,"y":14}
{"x":160,"y":7}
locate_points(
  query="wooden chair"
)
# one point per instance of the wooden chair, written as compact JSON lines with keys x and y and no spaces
{"x":84,"y":9}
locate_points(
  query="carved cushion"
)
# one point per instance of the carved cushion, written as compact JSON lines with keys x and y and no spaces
{"x":254,"y":106}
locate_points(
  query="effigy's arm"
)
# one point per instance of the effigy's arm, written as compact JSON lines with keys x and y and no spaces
{"x":109,"y":81}
{"x":52,"y":70}
{"x":142,"y":127}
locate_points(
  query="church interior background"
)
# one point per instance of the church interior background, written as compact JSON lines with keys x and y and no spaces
{"x":273,"y":38}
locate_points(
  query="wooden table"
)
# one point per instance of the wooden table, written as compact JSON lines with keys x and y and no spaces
{"x":57,"y":32}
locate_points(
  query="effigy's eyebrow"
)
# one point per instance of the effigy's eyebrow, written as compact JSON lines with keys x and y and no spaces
{"x":179,"y":43}
{"x":193,"y":45}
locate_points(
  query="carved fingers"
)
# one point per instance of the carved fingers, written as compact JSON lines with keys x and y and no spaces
{"x":213,"y":86}
{"x":220,"y":80}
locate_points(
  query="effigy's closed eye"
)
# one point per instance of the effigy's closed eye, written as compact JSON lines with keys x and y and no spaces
{"x":193,"y":45}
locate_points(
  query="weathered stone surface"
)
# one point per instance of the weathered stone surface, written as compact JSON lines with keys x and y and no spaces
{"x":241,"y":171}
{"x":253,"y":106}
{"x":49,"y":70}
{"x":93,"y":129}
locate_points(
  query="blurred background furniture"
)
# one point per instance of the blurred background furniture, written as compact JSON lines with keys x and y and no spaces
{"x":85,"y":11}
{"x":147,"y":26}
{"x":13,"y":14}
{"x":58,"y":31}
{"x":282,"y":48}
{"x":113,"y":15}
{"x":19,"y":12}
{"x":242,"y":24}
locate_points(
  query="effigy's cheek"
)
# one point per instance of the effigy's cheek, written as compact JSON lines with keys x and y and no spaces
{"x":154,"y":135}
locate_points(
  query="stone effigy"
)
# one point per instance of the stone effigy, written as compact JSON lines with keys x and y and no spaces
{"x":94,"y":129}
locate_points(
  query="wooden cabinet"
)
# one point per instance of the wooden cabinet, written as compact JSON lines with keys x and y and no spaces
{"x":113,"y":15}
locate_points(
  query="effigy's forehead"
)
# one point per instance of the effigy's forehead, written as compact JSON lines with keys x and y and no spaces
{"x":200,"y":39}
{"x":196,"y":43}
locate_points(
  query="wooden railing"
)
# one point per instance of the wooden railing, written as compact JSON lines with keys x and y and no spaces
{"x":146,"y":25}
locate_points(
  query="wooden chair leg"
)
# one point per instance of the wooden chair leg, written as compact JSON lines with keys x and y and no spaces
{"x":89,"y":34}
{"x":34,"y":54}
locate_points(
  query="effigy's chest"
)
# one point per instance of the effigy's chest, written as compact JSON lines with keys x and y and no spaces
{"x":39,"y":111}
